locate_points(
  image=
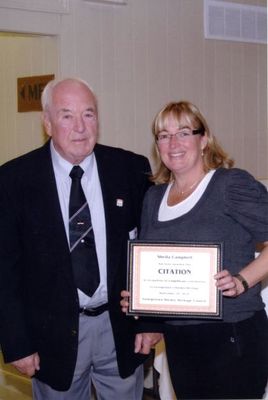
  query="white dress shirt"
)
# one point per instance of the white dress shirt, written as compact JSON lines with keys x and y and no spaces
{"x":92,"y":189}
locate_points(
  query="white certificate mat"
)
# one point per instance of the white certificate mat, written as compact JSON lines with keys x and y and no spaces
{"x":174,"y":279}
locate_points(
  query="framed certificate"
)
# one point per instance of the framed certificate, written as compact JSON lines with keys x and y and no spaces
{"x":174,"y":279}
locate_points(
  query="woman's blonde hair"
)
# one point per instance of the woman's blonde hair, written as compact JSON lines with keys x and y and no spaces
{"x":213,"y":154}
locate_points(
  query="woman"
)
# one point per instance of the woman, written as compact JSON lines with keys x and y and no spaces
{"x":200,"y":197}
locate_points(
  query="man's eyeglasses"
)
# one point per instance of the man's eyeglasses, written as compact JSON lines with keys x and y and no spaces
{"x":182,"y":134}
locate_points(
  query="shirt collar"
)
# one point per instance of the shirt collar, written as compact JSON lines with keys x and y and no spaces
{"x":63,"y":167}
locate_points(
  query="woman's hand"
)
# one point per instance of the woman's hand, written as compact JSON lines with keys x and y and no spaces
{"x":124,"y":303}
{"x":228,"y":284}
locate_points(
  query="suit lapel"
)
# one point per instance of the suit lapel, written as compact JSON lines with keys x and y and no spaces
{"x":46,"y":205}
{"x":113,"y":192}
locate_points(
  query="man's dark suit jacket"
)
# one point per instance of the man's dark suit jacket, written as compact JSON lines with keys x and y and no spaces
{"x":38,"y":298}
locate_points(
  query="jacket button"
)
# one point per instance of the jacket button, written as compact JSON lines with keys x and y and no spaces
{"x":74,"y":332}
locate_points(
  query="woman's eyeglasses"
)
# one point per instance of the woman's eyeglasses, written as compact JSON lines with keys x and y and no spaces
{"x":182,"y":134}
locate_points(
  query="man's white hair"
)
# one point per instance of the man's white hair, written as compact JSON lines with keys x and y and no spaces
{"x":46,"y":97}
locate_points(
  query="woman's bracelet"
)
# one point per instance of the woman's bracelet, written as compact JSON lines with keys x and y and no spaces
{"x":243,"y":281}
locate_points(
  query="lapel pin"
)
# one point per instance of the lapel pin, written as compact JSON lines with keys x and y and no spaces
{"x":119,"y":202}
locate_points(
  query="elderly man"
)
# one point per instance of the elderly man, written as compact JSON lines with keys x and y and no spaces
{"x":67,"y":211}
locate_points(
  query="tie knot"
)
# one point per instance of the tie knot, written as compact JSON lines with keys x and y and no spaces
{"x":76,"y":172}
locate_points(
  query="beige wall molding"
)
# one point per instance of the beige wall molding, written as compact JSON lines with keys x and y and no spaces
{"x":55,"y":6}
{"x":116,"y":2}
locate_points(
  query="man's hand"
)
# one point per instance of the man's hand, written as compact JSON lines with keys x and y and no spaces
{"x":28,"y":365}
{"x":124,"y":303}
{"x":145,"y":341}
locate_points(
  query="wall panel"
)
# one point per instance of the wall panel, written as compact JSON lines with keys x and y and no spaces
{"x":22,"y":55}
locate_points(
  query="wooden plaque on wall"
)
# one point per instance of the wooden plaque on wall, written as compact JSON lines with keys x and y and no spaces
{"x":29,"y":90}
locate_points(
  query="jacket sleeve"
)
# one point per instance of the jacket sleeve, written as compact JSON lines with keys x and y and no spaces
{"x":14,"y":335}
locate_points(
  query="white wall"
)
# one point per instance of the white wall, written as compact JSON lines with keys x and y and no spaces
{"x":140,"y":55}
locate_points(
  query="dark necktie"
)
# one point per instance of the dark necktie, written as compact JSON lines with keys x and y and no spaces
{"x":82,"y":242}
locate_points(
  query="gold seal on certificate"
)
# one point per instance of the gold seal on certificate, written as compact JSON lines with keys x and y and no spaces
{"x":174,"y":279}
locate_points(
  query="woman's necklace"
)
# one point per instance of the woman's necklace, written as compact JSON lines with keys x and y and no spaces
{"x":176,"y":195}
{"x":182,"y":192}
